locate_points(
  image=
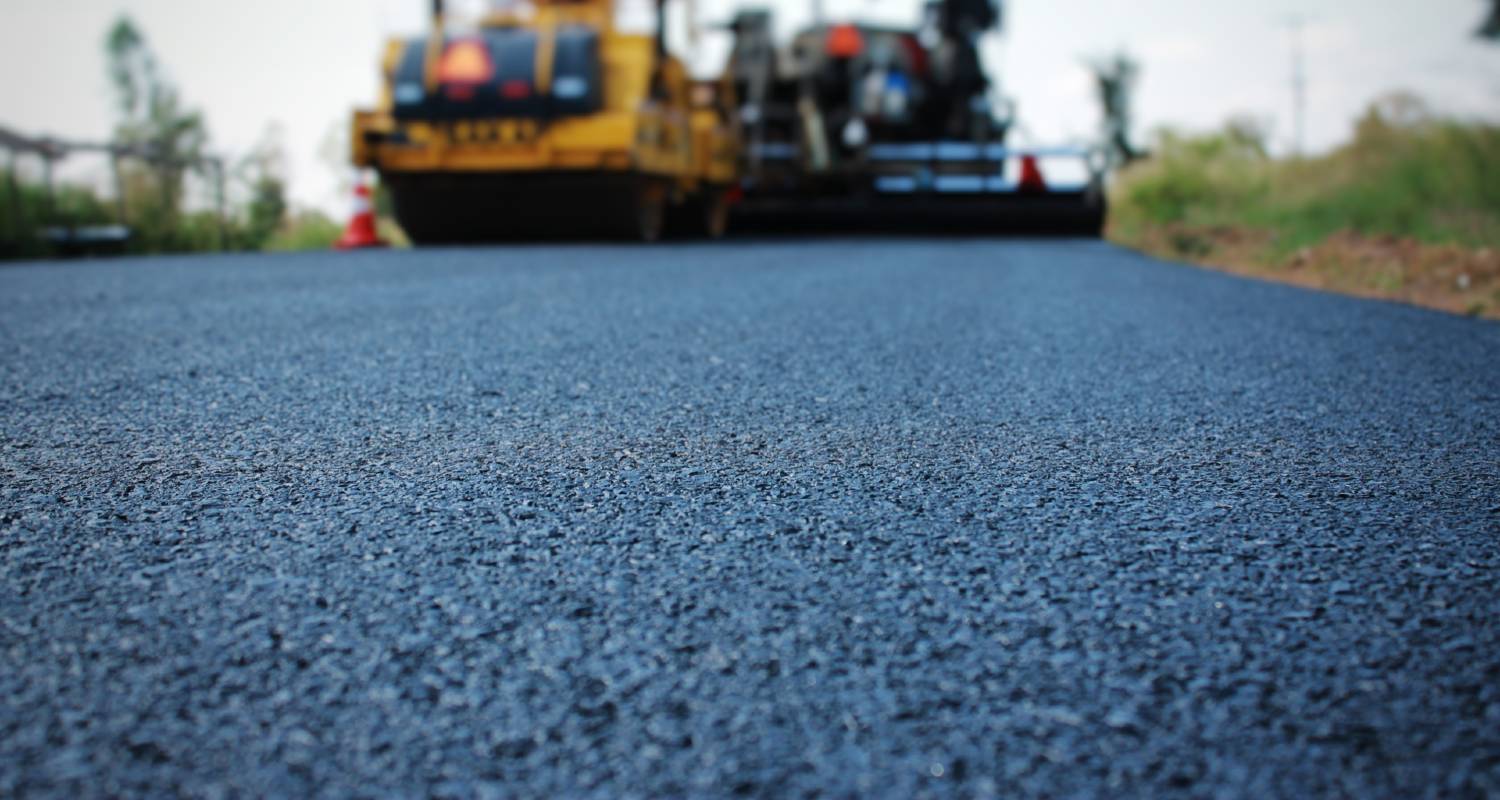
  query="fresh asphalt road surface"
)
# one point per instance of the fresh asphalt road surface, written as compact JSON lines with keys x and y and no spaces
{"x":852,"y":517}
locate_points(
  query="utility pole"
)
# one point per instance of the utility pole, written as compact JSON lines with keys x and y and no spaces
{"x":13,"y":189}
{"x":119,"y":175}
{"x":217,"y":166}
{"x":49,"y":210}
{"x":1299,"y":85}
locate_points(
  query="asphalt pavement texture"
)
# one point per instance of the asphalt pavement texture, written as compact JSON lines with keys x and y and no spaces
{"x":855,"y":517}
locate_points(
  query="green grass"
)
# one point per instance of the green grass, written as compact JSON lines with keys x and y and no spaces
{"x":307,"y":230}
{"x":25,"y":211}
{"x":1405,"y":174}
{"x":1408,"y":209}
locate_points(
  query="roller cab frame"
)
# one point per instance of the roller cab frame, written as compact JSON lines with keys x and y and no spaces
{"x":549,"y":124}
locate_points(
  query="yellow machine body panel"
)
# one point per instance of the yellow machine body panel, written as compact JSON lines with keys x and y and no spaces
{"x":664,"y":139}
{"x":604,"y":140}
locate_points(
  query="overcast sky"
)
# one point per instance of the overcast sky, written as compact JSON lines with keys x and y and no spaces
{"x":303,"y":64}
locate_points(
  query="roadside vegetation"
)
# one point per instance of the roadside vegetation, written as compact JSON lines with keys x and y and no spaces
{"x":1409,"y":209}
{"x":152,"y":197}
{"x":263,"y":223}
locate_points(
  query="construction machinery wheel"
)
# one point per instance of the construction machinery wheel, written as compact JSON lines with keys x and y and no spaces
{"x":644,"y":215}
{"x":1091,"y":223}
{"x":705,"y":215}
{"x":462,"y":209}
{"x":714,"y":212}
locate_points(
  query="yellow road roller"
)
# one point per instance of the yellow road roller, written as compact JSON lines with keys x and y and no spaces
{"x":545,"y":120}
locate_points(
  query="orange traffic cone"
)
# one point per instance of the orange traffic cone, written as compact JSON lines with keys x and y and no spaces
{"x":361,"y":231}
{"x":1032,"y":181}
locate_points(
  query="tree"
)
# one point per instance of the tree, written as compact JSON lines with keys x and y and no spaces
{"x":264,"y":170}
{"x":152,"y":115}
{"x":1490,"y":28}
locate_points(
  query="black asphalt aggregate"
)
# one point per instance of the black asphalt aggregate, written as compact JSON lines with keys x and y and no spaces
{"x":859,"y":517}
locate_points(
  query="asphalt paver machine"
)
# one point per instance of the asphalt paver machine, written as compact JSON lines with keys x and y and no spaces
{"x":868,"y":123}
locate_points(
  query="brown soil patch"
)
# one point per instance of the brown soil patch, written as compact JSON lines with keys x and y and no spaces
{"x":1453,"y":278}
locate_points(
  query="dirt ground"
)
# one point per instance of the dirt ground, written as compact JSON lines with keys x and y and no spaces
{"x":1453,"y":278}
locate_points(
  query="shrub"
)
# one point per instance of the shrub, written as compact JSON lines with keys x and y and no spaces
{"x":1406,"y":173}
{"x":305,"y":230}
